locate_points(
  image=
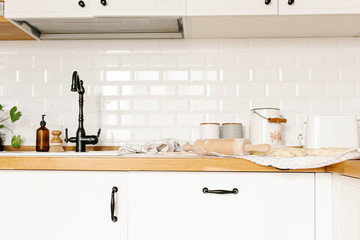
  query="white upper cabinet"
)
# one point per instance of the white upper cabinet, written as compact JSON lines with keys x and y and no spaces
{"x":231,"y":7}
{"x":49,"y":8}
{"x":139,"y":7}
{"x":251,"y":206}
{"x":89,"y":8}
{"x":302,"y":7}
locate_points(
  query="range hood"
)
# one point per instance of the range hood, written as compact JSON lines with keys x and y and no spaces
{"x":103,"y":28}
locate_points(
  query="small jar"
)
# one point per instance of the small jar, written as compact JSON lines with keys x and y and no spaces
{"x":209,"y":130}
{"x":231,"y":130}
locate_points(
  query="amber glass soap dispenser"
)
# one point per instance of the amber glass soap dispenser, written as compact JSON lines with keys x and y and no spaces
{"x":42,"y":137}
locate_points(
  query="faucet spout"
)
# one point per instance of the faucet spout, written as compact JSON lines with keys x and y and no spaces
{"x":81,"y":138}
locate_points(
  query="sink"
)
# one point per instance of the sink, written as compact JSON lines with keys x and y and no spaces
{"x":57,"y":154}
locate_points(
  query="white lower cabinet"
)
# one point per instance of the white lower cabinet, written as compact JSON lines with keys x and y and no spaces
{"x":62,"y":205}
{"x":346,"y":208}
{"x":173,"y":205}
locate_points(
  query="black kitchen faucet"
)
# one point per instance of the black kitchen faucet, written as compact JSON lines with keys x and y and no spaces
{"x":81,"y":139}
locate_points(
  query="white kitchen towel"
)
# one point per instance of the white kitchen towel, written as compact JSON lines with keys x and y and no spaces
{"x":307,"y":162}
{"x":162,"y":145}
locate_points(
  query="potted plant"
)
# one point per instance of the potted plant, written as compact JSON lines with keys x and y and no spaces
{"x":14,"y":115}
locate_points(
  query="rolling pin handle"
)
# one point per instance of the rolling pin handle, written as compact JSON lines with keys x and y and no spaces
{"x":257,"y":148}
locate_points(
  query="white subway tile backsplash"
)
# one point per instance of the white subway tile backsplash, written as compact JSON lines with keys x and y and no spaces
{"x":162,"y":90}
{"x":264,"y":75}
{"x":251,"y":60}
{"x":191,"y":61}
{"x":147,"y":76}
{"x":251,"y":89}
{"x":134,"y":61}
{"x":192,"y":90}
{"x":19,"y":90}
{"x":146,"y":134}
{"x":295,"y":105}
{"x":311,"y":89}
{"x":340,"y":59}
{"x":175,"y":75}
{"x":221,"y":90}
{"x":104,"y":61}
{"x":178,"y":133}
{"x":8,"y":76}
{"x":117,"y":105}
{"x":175,"y":105}
{"x":324,"y":105}
{"x":148,"y":89}
{"x":310,"y":59}
{"x":162,"y":61}
{"x":127,"y":90}
{"x":162,"y":120}
{"x":237,"y":105}
{"x":281,"y":60}
{"x":203,"y":75}
{"x":118,"y":76}
{"x":204,"y":105}
{"x":341,"y":89}
{"x":349,"y":74}
{"x":133,"y":120}
{"x":325,"y":74}
{"x":190,"y":119}
{"x":294,"y":75}
{"x":204,"y":46}
{"x":282,"y":89}
{"x":350,"y":104}
{"x":146,"y":105}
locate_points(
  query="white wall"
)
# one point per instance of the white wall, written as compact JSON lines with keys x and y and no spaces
{"x":149,"y":89}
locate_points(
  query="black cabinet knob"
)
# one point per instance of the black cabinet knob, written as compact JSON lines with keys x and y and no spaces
{"x":103,"y":2}
{"x":267,"y":2}
{"x":291,"y":2}
{"x":81,"y":4}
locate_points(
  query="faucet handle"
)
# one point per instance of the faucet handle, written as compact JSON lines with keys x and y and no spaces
{"x":66,"y":135}
{"x":98,"y":134}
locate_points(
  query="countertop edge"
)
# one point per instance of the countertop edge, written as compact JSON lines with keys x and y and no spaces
{"x":139,"y":164}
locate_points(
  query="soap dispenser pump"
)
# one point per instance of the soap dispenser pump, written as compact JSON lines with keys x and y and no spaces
{"x":42,"y":137}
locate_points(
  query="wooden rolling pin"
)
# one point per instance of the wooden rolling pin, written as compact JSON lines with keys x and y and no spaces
{"x":233,"y":147}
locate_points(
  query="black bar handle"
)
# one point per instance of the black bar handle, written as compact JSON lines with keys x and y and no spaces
{"x":112,"y":204}
{"x":291,"y":2}
{"x":234,"y":191}
{"x":267,"y":2}
{"x":66,"y":139}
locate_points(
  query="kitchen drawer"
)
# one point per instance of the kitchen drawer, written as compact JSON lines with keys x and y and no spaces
{"x":267,"y":206}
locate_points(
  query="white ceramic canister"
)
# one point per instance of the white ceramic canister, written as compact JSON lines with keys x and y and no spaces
{"x":265,"y":126}
{"x":231,"y":130}
{"x":209,"y":130}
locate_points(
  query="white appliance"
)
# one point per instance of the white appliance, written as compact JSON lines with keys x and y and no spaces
{"x":323,"y":131}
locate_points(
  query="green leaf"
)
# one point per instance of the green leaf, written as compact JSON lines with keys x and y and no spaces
{"x":16,"y":141}
{"x":2,"y":126}
{"x":1,"y":107}
{"x":14,"y":115}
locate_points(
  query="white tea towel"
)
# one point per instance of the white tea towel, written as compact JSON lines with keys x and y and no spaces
{"x":305,"y":162}
{"x":162,"y":145}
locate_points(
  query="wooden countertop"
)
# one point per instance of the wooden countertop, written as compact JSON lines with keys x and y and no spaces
{"x":115,"y":163}
{"x":161,"y":163}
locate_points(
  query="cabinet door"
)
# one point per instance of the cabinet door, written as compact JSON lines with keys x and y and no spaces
{"x":303,"y":7}
{"x":18,"y":9}
{"x":43,"y":205}
{"x":173,"y":206}
{"x":346,"y":205}
{"x":231,"y":7}
{"x":139,"y":8}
